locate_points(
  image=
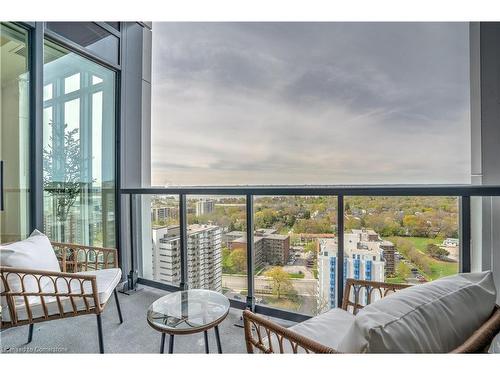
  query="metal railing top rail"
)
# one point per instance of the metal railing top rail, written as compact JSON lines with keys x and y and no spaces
{"x":346,"y":190}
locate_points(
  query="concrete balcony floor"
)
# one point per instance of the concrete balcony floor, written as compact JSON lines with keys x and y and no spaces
{"x":79,"y":334}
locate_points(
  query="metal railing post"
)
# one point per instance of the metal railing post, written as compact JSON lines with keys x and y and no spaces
{"x":465,"y":234}
{"x":183,"y":241}
{"x":340,"y":250}
{"x":250,"y":253}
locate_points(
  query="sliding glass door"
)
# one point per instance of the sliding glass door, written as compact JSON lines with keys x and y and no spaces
{"x":14,"y":133}
{"x":78,"y":148}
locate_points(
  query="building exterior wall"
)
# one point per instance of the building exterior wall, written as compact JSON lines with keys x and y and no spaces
{"x":361,"y":262}
{"x":203,"y":256}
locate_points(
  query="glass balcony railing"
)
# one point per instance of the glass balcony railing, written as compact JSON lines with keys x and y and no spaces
{"x":287,"y":251}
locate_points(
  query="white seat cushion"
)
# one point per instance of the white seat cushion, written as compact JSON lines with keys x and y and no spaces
{"x":328,"y":329}
{"x":106,"y":281}
{"x":435,"y":317}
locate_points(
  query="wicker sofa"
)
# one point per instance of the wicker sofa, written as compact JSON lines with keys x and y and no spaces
{"x":265,"y":336}
{"x":88,"y":277}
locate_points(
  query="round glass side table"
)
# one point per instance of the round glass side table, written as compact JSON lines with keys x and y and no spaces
{"x":187,"y":312}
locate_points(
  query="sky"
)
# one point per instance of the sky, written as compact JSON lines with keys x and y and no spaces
{"x":310,"y":103}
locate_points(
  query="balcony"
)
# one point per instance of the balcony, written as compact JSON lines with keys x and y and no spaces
{"x":285,"y":252}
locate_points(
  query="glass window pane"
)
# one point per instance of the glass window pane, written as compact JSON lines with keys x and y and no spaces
{"x":96,"y":80}
{"x":14,"y":132}
{"x":90,"y":36}
{"x":72,"y":83}
{"x":79,"y":150}
{"x":47,"y":92}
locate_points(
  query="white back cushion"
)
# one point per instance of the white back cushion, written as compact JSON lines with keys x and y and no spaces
{"x":36,"y":253}
{"x":435,"y":317}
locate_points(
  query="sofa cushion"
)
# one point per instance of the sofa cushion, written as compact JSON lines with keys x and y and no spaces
{"x":435,"y":317}
{"x":36,"y":253}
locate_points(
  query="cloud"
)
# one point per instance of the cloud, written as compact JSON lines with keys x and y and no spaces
{"x":310,"y":103}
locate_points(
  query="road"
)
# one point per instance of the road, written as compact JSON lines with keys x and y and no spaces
{"x":304,"y":287}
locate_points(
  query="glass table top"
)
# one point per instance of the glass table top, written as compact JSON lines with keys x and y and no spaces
{"x":190,"y":310}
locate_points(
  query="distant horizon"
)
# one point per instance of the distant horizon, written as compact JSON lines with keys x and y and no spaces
{"x":310,"y":104}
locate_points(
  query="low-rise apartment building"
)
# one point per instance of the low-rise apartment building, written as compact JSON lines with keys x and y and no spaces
{"x":269,"y":247}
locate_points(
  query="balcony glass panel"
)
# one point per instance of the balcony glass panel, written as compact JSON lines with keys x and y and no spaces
{"x":288,"y":231}
{"x":310,"y":103}
{"x":407,"y":240}
{"x":159,"y":249}
{"x":217,"y":248}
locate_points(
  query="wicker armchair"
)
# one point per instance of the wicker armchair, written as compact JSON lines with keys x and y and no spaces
{"x":261,"y":333}
{"x":83,"y":287}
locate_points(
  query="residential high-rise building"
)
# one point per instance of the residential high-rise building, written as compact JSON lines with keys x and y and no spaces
{"x":269,"y":246}
{"x":203,"y":258}
{"x":363,"y":260}
{"x":204,"y":207}
{"x":163,"y":213}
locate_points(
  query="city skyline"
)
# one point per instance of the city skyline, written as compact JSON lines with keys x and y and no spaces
{"x":310,"y":103}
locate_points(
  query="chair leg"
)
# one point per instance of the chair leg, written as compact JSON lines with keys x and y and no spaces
{"x":30,"y":333}
{"x":99,"y":331}
{"x":118,"y":307}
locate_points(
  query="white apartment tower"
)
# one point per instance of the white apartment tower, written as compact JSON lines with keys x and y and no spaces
{"x":363,"y":260}
{"x":204,"y":256}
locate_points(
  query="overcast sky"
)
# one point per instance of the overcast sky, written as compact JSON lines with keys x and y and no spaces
{"x":310,"y":103}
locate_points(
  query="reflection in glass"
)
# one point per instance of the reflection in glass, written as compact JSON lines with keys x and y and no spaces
{"x":79,"y":149}
{"x":14,"y":132}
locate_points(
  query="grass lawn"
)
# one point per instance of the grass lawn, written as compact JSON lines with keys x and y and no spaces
{"x":442,"y":269}
{"x":396,"y":280}
{"x":282,"y":303}
{"x":296,"y":275}
{"x":419,"y":242}
{"x":438,"y":268}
